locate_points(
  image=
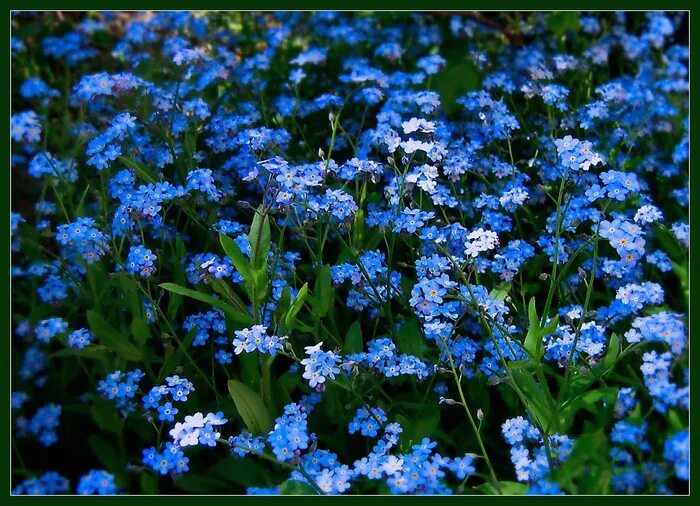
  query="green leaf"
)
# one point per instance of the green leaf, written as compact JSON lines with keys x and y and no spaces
{"x":295,"y":487}
{"x":588,"y":400}
{"x":535,"y":333}
{"x":410,"y":338}
{"x":323,"y":292}
{"x":283,"y":304}
{"x":258,"y":288}
{"x":176,"y":356}
{"x":106,"y":453}
{"x":586,"y":448}
{"x":259,"y":238}
{"x":670,"y":243}
{"x":500,"y":293}
{"x":201,"y":484}
{"x":235,"y":314}
{"x":244,"y":472}
{"x":533,"y":341}
{"x":80,"y":209}
{"x":251,"y":408}
{"x":130,"y":291}
{"x":112,"y":338}
{"x":426,"y":424}
{"x":140,"y":330}
{"x":94,"y":351}
{"x":538,"y":400}
{"x":505,"y":487}
{"x":106,"y":416}
{"x":142,"y":170}
{"x":358,"y":225}
{"x":563,"y":21}
{"x":611,"y":354}
{"x":353,"y":339}
{"x":149,"y":483}
{"x":681,"y":271}
{"x":674,"y":421}
{"x":457,"y":78}
{"x":238,"y":259}
{"x":250,"y":370}
{"x":296,"y":305}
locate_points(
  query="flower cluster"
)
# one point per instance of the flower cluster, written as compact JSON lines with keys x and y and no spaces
{"x":121,"y":387}
{"x":319,"y":365}
{"x":534,"y":465}
{"x":257,"y":338}
{"x":197,"y":429}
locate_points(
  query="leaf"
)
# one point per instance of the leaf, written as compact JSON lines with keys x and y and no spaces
{"x":238,"y":259}
{"x":611,"y":354}
{"x":296,"y":487}
{"x":550,"y":328}
{"x":233,"y":313}
{"x":201,"y":484}
{"x":681,"y":271}
{"x":586,"y":448}
{"x":149,"y":483}
{"x":426,"y":424}
{"x":587,"y":400}
{"x":143,"y":171}
{"x":358,"y":224}
{"x":563,"y":21}
{"x":457,"y":78}
{"x":80,"y":209}
{"x":323,"y":292}
{"x":140,"y":330}
{"x":533,"y":342}
{"x":535,"y":333}
{"x":175,"y":358}
{"x":130,"y":291}
{"x":674,"y":421}
{"x":500,"y":293}
{"x":505,"y":487}
{"x":112,"y":338}
{"x":537,"y":398}
{"x":105,"y":416}
{"x":244,"y":472}
{"x":296,"y":305}
{"x":283,"y":304}
{"x":94,"y":351}
{"x":258,"y":288}
{"x":670,"y":243}
{"x":251,"y":408}
{"x":410,"y":338}
{"x":250,"y":372}
{"x":106,"y":453}
{"x":259,"y":238}
{"x":353,"y":339}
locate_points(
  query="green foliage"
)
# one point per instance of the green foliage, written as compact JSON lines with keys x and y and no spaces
{"x":112,"y":338}
{"x":250,"y":407}
{"x":230,"y":311}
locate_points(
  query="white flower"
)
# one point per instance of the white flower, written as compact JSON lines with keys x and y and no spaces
{"x":312,"y":349}
{"x":480,"y":240}
{"x":190,"y":439}
{"x":415,"y":124}
{"x":412,"y":145}
{"x":392,"y":465}
{"x":195,"y":421}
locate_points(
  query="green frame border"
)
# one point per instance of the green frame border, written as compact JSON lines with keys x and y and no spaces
{"x":405,"y":5}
